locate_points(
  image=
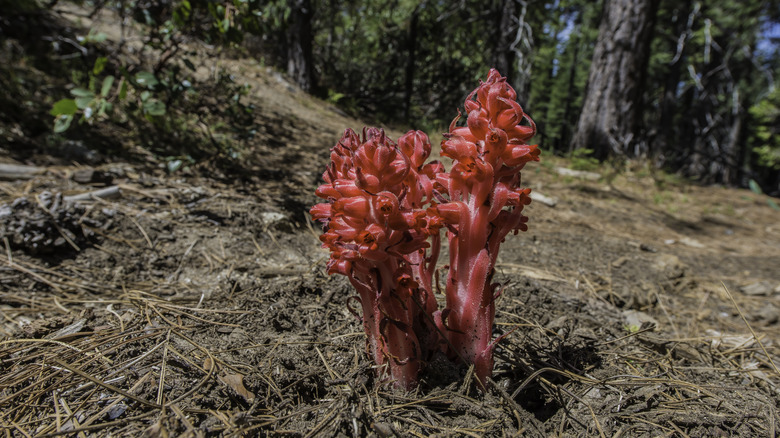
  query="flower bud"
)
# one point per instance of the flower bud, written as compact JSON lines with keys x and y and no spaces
{"x":321,"y":212}
{"x":357,"y":207}
{"x":416,"y":146}
{"x":458,"y":148}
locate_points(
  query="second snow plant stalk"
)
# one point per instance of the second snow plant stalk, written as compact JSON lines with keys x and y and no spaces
{"x":385,"y":207}
{"x":485,"y":204}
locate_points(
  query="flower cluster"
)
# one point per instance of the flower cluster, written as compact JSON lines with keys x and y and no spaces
{"x":376,"y":229}
{"x":385,"y":207}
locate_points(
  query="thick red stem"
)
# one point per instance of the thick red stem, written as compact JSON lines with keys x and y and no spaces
{"x":388,"y":318}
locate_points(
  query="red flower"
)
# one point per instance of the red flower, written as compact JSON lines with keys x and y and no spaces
{"x":383,"y":212}
{"x":375,"y":223}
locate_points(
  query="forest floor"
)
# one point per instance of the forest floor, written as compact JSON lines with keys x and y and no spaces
{"x":196,"y":303}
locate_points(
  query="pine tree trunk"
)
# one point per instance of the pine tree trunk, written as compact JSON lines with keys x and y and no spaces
{"x":665,"y":140}
{"x":503,"y":58}
{"x":411,"y":48}
{"x":299,"y":44}
{"x":567,"y":113}
{"x":611,"y":109}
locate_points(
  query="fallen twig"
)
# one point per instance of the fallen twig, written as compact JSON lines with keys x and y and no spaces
{"x":106,"y":193}
{"x":13,"y":172}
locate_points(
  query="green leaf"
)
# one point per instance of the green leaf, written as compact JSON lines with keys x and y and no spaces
{"x":182,"y":13}
{"x":64,"y":107}
{"x":100,"y":64}
{"x":773,"y":204}
{"x":107,"y":83}
{"x":145,"y":95}
{"x":154,"y":107}
{"x":83,"y":102}
{"x":122,"y":89}
{"x":754,"y":187}
{"x":96,"y":37}
{"x":62,"y":123}
{"x":82,"y":92}
{"x":174,"y":165}
{"x":102,"y":107}
{"x":146,"y":79}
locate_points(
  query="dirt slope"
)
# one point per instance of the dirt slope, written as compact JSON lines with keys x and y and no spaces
{"x":194,"y":306}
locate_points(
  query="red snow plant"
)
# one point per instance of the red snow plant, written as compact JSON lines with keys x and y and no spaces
{"x":385,"y":208}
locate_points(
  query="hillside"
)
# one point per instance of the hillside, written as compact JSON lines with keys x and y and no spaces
{"x":195,"y":303}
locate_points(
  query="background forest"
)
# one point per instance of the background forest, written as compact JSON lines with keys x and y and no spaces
{"x":688,"y":85}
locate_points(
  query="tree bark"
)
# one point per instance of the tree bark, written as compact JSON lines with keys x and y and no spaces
{"x":574,"y":40}
{"x":663,"y":146}
{"x":610,"y":118}
{"x":411,"y":47}
{"x":299,"y":44}
{"x":503,"y":57}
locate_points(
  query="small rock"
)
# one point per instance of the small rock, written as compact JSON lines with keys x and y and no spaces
{"x":635,"y":318}
{"x":91,"y":176}
{"x":271,"y":217}
{"x":78,"y":151}
{"x":116,"y":411}
{"x":557,"y":323}
{"x":546,"y":200}
{"x":693,"y":243}
{"x":670,"y":266}
{"x":593,"y":394}
{"x":648,"y":248}
{"x":586,"y":333}
{"x":620,"y":262}
{"x":729,"y":342}
{"x":758,"y":288}
{"x":768,"y":315}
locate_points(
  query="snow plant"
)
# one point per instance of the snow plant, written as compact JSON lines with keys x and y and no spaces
{"x":386,"y":206}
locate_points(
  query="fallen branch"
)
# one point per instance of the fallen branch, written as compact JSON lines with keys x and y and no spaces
{"x":590,"y":176}
{"x":546,"y":200}
{"x":13,"y":172}
{"x":106,"y":193}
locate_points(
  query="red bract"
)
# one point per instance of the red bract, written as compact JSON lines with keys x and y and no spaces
{"x":376,"y":229}
{"x":385,"y":207}
{"x":485,"y":204}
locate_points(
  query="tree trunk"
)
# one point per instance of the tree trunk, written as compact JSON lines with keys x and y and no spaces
{"x":299,"y":44}
{"x":522,"y":48}
{"x":668,"y":135}
{"x":411,"y":48}
{"x":567,"y":112}
{"x":610,"y":115}
{"x":735,"y":149}
{"x":503,"y":55}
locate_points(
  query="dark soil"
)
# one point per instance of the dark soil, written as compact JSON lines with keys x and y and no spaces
{"x":196,"y":304}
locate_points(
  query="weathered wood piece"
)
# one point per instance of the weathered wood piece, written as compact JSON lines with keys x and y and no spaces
{"x":13,"y":172}
{"x":106,"y":193}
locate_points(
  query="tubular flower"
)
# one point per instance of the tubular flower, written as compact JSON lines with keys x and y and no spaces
{"x":376,"y":229}
{"x":485,"y":204}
